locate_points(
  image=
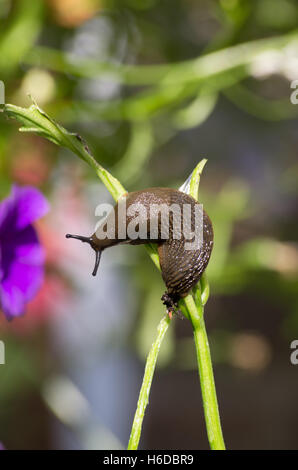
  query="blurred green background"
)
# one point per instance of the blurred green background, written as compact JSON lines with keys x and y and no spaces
{"x":153,"y":87}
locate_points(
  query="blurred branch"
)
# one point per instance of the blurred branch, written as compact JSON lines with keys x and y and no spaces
{"x":189,"y":71}
{"x":19,"y":36}
{"x":151,"y":102}
{"x":138,"y":152}
{"x":197,"y":112}
{"x":170,"y":85}
{"x":270,"y":110}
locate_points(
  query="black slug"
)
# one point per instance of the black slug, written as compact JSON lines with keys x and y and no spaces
{"x":181,"y":268}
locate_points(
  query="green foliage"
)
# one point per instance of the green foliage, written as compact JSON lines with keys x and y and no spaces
{"x":37,"y":121}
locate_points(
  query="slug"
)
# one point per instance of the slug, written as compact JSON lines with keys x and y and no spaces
{"x":181,"y":268}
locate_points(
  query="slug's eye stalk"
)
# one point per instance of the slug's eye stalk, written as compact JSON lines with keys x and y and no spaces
{"x":92,"y":244}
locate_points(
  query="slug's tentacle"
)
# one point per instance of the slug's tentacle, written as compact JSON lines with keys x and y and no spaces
{"x":97,"y":261}
{"x":95,"y":247}
{"x":80,"y":237}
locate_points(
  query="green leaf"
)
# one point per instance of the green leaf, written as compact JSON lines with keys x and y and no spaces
{"x":196,"y":178}
{"x":35,"y":120}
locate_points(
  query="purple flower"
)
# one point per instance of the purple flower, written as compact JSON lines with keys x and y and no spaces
{"x":21,"y":255}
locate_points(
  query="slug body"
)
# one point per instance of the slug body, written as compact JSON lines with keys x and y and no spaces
{"x":181,"y":268}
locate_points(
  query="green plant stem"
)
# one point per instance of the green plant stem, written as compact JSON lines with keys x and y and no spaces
{"x":146,"y":384}
{"x":209,"y":397}
{"x":199,"y":68}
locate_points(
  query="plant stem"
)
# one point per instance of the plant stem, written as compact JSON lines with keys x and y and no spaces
{"x":199,"y":68}
{"x":146,"y":384}
{"x":210,"y":404}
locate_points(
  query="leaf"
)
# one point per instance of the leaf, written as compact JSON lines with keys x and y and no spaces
{"x":35,"y":120}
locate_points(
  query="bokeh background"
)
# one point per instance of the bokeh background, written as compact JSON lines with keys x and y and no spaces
{"x":75,"y":360}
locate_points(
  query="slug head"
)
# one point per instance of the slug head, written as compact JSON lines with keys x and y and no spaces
{"x":171,"y":302}
{"x":91,"y":242}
